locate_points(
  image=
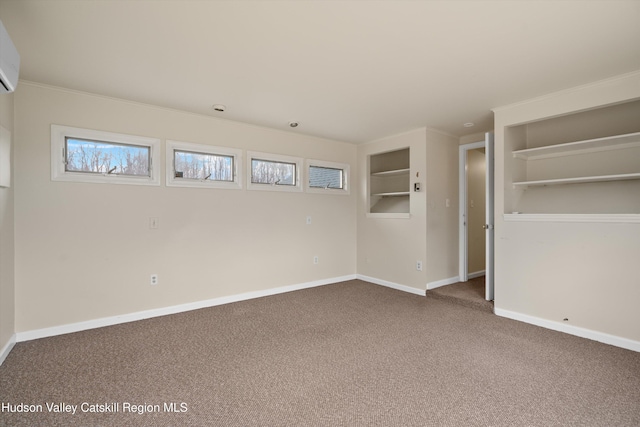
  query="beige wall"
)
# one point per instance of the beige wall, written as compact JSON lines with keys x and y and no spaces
{"x":553,"y":270}
{"x":469,"y":139}
{"x":388,"y":248}
{"x":442,"y":220}
{"x":476,"y":177}
{"x":76,"y":232}
{"x":80,"y":256}
{"x":85,"y":251}
{"x":7,"y":299}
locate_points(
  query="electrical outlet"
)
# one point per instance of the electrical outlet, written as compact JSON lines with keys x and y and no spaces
{"x":154,"y":279}
{"x":308,"y":220}
{"x":419,"y":265}
{"x":315,"y":259}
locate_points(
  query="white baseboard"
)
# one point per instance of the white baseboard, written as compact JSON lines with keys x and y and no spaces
{"x":452,"y":280}
{"x":572,"y":330}
{"x":391,"y":285}
{"x":7,"y":348}
{"x":443,"y":282}
{"x":476,"y":274}
{"x":140,"y":315}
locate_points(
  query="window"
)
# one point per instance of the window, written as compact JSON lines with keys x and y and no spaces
{"x":86,"y":155}
{"x":200,"y":165}
{"x":98,"y":157}
{"x":274,"y":172}
{"x":270,"y":172}
{"x":327,"y":177}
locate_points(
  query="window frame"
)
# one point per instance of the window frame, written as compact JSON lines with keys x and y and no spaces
{"x":346,"y":176}
{"x":172,"y":181}
{"x":279,"y":158}
{"x":59,"y":135}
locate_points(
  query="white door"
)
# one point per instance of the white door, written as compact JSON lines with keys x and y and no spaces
{"x":489,"y":217}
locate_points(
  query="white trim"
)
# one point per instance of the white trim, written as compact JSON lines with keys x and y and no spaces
{"x":140,"y":315}
{"x":7,"y":348}
{"x":571,"y":330}
{"x":443,"y":282}
{"x":275,"y":158}
{"x":58,"y":172}
{"x":612,"y":218}
{"x":476,"y":274}
{"x":346,"y":171}
{"x":5,"y":157}
{"x":452,"y":280}
{"x":462,"y":207}
{"x":392,"y":285}
{"x":388,"y":215}
{"x":172,"y":181}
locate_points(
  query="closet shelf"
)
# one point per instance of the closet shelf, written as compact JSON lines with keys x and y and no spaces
{"x":391,"y":172}
{"x":580,"y":147}
{"x":389,"y":183}
{"x":393,"y":194}
{"x":582,"y":179}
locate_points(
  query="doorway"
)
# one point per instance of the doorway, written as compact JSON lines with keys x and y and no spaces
{"x":476,"y":213}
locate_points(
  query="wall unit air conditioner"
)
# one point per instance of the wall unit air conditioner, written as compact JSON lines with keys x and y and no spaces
{"x":9,"y":62}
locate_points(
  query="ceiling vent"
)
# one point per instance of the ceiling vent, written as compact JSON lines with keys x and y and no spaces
{"x":9,"y":62}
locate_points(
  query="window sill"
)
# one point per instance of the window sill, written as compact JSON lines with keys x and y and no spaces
{"x":539,"y":217}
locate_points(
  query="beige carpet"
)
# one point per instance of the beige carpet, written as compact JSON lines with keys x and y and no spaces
{"x":349,"y":354}
{"x":470,"y":294}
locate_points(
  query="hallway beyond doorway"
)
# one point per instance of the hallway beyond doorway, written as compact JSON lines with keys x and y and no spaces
{"x":470,"y":294}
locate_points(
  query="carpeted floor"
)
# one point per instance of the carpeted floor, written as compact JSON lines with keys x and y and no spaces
{"x":348,"y":354}
{"x":470,"y":294}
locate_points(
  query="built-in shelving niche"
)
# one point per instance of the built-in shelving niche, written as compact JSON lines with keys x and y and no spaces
{"x":580,"y":167}
{"x":389,"y":186}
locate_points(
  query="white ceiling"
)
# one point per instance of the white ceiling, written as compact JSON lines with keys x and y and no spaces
{"x":348,"y":70}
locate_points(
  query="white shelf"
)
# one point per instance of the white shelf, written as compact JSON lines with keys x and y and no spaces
{"x":393,"y":194}
{"x":580,"y":147}
{"x":391,"y":172}
{"x":610,"y":218}
{"x":582,"y":179}
{"x":591,"y":179}
{"x":389,"y":184}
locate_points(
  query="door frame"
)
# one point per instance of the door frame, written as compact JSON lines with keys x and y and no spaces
{"x":490,"y":217}
{"x":463,"y":273}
